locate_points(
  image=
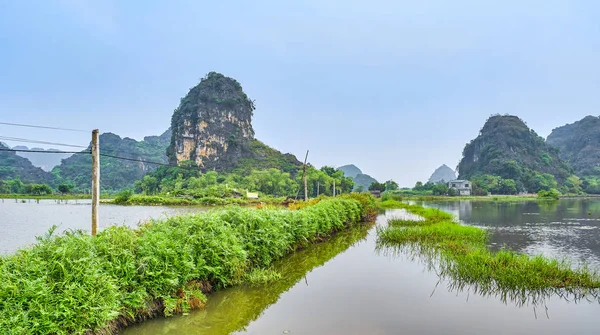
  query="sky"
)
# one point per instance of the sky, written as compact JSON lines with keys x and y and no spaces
{"x":395,"y":87}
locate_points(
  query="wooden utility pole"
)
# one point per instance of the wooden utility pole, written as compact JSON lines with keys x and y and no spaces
{"x":334,"y":187}
{"x":318,"y":184}
{"x":304,"y":177}
{"x":95,"y":179}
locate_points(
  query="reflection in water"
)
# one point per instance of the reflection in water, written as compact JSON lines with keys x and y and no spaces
{"x":565,"y":229}
{"x":432,"y":260}
{"x":360,"y":291}
{"x":234,"y":308}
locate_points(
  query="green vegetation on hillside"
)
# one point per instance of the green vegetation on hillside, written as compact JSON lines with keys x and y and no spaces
{"x":507,"y":157}
{"x":77,"y":283}
{"x":115,"y":174}
{"x":16,"y":167}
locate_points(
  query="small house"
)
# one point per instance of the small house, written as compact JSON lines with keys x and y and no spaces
{"x":462,"y":187}
{"x":251,"y":195}
{"x":376,"y":194}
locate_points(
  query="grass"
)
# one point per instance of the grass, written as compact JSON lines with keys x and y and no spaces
{"x":462,"y":255}
{"x":76,"y":284}
{"x":50,"y":196}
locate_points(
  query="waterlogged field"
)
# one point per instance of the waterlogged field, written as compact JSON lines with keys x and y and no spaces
{"x":566,"y":229}
{"x":352,"y":283}
{"x":366,"y":287}
{"x":22,"y":220}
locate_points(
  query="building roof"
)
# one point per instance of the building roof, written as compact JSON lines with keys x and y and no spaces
{"x":458,"y":181}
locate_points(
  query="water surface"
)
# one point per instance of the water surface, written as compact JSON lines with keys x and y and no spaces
{"x":566,"y":229}
{"x":21,"y":222}
{"x":350,"y":286}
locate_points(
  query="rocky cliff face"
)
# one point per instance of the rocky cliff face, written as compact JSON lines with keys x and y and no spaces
{"x":213,"y":124}
{"x":579,"y":144}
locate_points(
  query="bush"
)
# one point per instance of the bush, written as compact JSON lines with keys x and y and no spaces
{"x":550,"y":194}
{"x":79,"y":284}
{"x":123,"y":197}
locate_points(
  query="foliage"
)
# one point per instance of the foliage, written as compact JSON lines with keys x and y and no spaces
{"x":376,"y":186}
{"x":579,"y":144}
{"x":550,"y":194}
{"x":461,"y":254}
{"x":391,"y":185}
{"x":123,"y":197}
{"x":13,"y":167}
{"x":65,"y":188}
{"x":115,"y":174}
{"x":508,"y":149}
{"x":77,"y":284}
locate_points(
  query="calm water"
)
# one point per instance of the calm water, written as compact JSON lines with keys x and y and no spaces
{"x":568,"y":229}
{"x":349,"y":286}
{"x":21,"y":222}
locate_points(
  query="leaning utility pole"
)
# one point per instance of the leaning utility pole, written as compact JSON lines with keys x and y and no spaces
{"x":95,"y":179}
{"x":304,"y":177}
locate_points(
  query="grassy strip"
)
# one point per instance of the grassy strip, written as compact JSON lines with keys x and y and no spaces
{"x":76,"y":283}
{"x":51,"y":196}
{"x":161,"y":200}
{"x":463,"y":256}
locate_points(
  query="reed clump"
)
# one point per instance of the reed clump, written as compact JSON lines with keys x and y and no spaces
{"x":462,"y":255}
{"x":76,"y":284}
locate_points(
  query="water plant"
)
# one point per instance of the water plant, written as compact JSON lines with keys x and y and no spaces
{"x":75,"y":283}
{"x":461,"y":254}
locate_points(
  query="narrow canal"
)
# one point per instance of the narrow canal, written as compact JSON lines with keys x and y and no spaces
{"x":349,"y":286}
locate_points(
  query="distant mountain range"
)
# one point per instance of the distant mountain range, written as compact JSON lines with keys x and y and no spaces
{"x":14,"y":166}
{"x":579,"y":144}
{"x":359,"y":178}
{"x":44,"y":161}
{"x":443,"y":173}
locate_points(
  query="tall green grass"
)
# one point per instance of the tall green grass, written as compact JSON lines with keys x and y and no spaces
{"x":462,"y":255}
{"x":75,"y":284}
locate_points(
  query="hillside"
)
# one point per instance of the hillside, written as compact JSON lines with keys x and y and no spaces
{"x":507,"y":148}
{"x":350,"y":170}
{"x":579,"y":144}
{"x":359,"y":178}
{"x":443,"y":173}
{"x":44,"y":161}
{"x":14,"y":166}
{"x":212,"y":126}
{"x":115,"y":174}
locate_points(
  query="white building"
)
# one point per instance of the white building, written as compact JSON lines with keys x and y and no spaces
{"x":462,"y":187}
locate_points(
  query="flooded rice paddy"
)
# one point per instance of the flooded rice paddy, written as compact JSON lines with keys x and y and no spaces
{"x":22,"y":220}
{"x":348,"y":285}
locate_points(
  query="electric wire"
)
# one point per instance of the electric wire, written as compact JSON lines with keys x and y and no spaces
{"x":47,"y":151}
{"x":42,"y":127}
{"x":25,"y":140}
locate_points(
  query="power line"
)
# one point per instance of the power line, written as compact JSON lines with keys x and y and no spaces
{"x":137,"y":160}
{"x":17,"y":139}
{"x":43,"y":127}
{"x":46,"y":151}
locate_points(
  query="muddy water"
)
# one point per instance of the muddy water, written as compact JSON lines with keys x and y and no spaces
{"x":22,"y":220}
{"x":349,"y":286}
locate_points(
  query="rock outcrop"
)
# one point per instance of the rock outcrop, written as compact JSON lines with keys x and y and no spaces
{"x":506,"y":147}
{"x":213,"y":128}
{"x":579,"y":144}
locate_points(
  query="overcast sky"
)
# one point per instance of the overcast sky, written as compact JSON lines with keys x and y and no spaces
{"x":394,"y":87}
